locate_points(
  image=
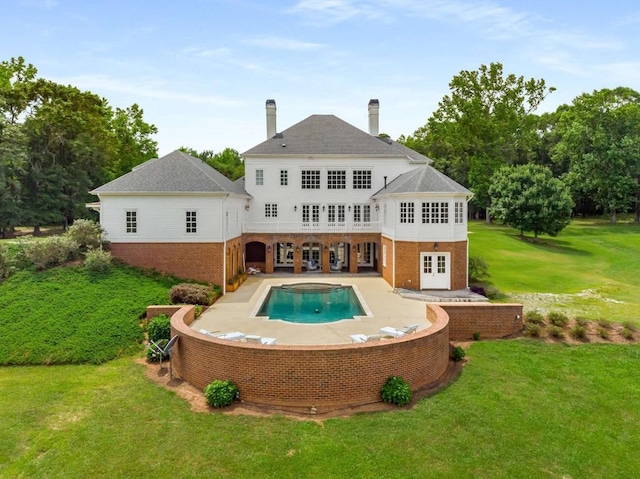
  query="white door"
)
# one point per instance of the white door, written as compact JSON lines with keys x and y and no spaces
{"x":434,"y":271}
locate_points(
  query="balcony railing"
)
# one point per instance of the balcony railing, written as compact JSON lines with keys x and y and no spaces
{"x":311,"y":227}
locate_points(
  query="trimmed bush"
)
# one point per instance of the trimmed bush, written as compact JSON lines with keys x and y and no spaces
{"x":458,"y":353}
{"x":189,"y":293}
{"x":87,"y":233}
{"x":221,"y":393}
{"x":534,"y":317}
{"x":476,"y":336}
{"x":555,"y":332}
{"x":396,"y":391}
{"x":578,"y":332}
{"x":557,"y":318}
{"x":478,"y":269}
{"x":160,"y":328}
{"x":51,"y":251}
{"x":478,"y":289}
{"x":533,"y":330}
{"x":97,"y":260}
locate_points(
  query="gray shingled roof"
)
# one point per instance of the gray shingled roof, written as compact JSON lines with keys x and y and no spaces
{"x":424,"y":179}
{"x":176,"y":172}
{"x":329,"y":135}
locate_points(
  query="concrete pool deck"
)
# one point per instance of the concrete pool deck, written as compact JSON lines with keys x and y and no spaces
{"x":233,"y":311}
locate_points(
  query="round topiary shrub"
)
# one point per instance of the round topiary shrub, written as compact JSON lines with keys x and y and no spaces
{"x":189,"y":293}
{"x":221,"y":393}
{"x":457,"y":353}
{"x":396,"y":391}
{"x":160,"y":328}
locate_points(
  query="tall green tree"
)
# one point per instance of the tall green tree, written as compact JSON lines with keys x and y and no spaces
{"x":228,"y":161}
{"x":600,"y":139}
{"x":485,"y":122}
{"x":529,"y":198}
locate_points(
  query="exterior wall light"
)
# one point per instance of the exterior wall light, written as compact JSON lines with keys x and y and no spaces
{"x":435,"y":246}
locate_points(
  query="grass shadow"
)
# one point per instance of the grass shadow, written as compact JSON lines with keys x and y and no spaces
{"x":551,"y":245}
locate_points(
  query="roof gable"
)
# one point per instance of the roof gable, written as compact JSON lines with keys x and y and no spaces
{"x":424,"y":179}
{"x":176,"y":172}
{"x":329,"y":135}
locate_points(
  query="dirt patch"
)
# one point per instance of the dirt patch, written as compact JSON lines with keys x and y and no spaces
{"x":195,"y":397}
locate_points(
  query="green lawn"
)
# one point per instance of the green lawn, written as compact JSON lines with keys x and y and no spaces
{"x":591,"y":269}
{"x":70,"y":315}
{"x":520,"y":409}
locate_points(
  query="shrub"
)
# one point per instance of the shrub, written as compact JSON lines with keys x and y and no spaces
{"x":97,"y":260}
{"x":476,"y":336}
{"x":457,"y":353}
{"x":51,"y":251}
{"x":533,"y":330}
{"x":221,"y":393}
{"x":556,"y":332}
{"x":396,"y":391}
{"x":630,"y":326}
{"x":557,"y":318}
{"x":160,"y":328}
{"x":604,"y":323}
{"x":493,"y":292}
{"x":478,"y":269}
{"x":627,"y":334}
{"x":5,"y":262}
{"x":476,"y":288}
{"x":87,"y":233}
{"x":189,"y":293}
{"x":582,"y":321}
{"x":154,"y":356}
{"x":534,"y":317}
{"x":603,"y":332}
{"x":578,"y":332}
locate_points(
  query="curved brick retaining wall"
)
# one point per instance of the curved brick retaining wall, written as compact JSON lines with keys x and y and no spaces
{"x":297,"y":378}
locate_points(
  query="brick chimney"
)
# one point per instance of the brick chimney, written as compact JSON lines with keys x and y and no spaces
{"x":271,"y":118}
{"x":374,"y":124}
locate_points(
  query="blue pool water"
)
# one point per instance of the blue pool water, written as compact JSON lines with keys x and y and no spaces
{"x":311,"y":303}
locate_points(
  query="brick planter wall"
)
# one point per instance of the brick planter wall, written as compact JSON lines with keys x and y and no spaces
{"x":299,"y":377}
{"x":492,"y":321}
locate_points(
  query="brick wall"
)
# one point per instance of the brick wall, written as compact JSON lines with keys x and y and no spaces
{"x":198,"y":261}
{"x":407,"y":261}
{"x":490,"y":320}
{"x":298,"y":377}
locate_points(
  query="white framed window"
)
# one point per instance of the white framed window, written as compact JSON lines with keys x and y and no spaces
{"x":458,"y":212}
{"x":361,"y":179}
{"x":335,"y":214}
{"x":259,"y":177}
{"x":271,"y":210}
{"x":191,"y":222}
{"x":131,"y":219}
{"x":406,"y":212}
{"x":444,"y":213}
{"x":336,"y":179}
{"x":361,"y":213}
{"x":305,"y":213}
{"x":435,"y":212}
{"x":284,"y":177}
{"x":310,"y":179}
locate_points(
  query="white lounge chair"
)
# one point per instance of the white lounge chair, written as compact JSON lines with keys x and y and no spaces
{"x":233,"y":336}
{"x":396,"y":333}
{"x":255,"y":339}
{"x":337,"y":266}
{"x":363,"y":338}
{"x":312,"y":265}
{"x":268,"y":341}
{"x":207,"y":333}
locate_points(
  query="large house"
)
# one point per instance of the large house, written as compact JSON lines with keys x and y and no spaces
{"x":320,"y":196}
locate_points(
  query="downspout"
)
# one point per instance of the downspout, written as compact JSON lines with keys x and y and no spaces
{"x":224,"y":245}
{"x":393,"y":244}
{"x":466,"y":222}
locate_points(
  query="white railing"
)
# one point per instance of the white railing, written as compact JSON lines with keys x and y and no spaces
{"x":311,"y":227}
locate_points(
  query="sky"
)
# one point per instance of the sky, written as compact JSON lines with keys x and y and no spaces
{"x":202,"y":69}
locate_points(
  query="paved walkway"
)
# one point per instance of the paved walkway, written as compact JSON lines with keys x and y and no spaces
{"x":235,"y":311}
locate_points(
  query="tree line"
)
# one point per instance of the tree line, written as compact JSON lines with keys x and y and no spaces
{"x":485,"y":131}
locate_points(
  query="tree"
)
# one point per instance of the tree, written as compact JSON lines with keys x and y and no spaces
{"x":529,"y":198}
{"x":228,"y":162}
{"x":600,"y":139}
{"x":486,"y":122}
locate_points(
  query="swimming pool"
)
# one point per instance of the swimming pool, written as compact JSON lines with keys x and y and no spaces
{"x":311,"y":303}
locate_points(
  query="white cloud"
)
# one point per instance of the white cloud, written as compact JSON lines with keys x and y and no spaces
{"x":621,"y":73}
{"x":330,"y":12}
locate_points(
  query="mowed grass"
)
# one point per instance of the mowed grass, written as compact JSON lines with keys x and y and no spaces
{"x":71,"y":315}
{"x":520,"y":409}
{"x":590,"y":269}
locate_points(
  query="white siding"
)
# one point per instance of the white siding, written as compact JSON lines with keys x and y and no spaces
{"x":419,"y":231}
{"x":162,"y":218}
